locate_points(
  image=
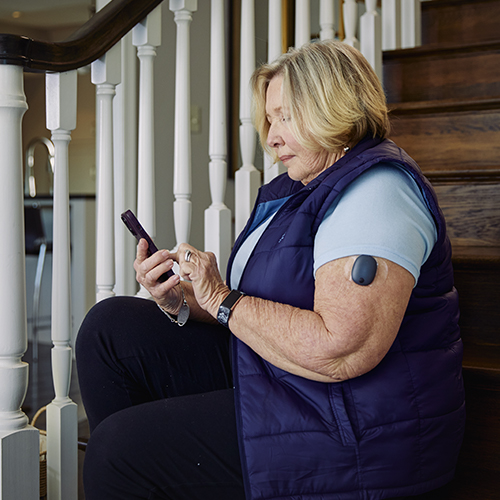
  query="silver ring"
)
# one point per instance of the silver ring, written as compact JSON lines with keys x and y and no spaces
{"x":187,"y":257}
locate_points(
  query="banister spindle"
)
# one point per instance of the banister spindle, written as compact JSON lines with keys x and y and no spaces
{"x":274,"y":51}
{"x":391,"y":24}
{"x":183,"y":15}
{"x":125,"y":165}
{"x":302,"y":22}
{"x":62,"y":418}
{"x":371,"y":36}
{"x":351,"y":22}
{"x":247,"y":178}
{"x":146,"y":36}
{"x":106,"y":74}
{"x":411,"y":19}
{"x":19,"y":449}
{"x":218,"y":215}
{"x":327,"y":19}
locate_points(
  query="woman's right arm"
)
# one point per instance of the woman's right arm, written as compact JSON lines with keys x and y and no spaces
{"x":169,"y":294}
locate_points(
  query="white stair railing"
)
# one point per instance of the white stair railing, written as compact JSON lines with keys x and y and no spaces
{"x":146,"y":36}
{"x":218,"y":216}
{"x":411,"y":24}
{"x":371,"y":36}
{"x":391,"y":24}
{"x":247,"y":178}
{"x":62,"y":414}
{"x":183,"y":15}
{"x":351,"y":22}
{"x":106,"y":74}
{"x":19,"y":448}
{"x":274,"y":51}
{"x":327,"y":19}
{"x":302,"y":22}
{"x":125,"y":165}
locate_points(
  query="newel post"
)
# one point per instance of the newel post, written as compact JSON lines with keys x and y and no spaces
{"x":19,"y":448}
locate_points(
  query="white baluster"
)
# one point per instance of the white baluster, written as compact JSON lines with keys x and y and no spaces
{"x":125,"y":167}
{"x":247,"y":178}
{"x":274,"y":51}
{"x":274,"y":30}
{"x":146,"y":37}
{"x":391,"y":24}
{"x":106,"y":74}
{"x":19,"y":449}
{"x":183,"y":10}
{"x":327,"y":19}
{"x":411,"y":19}
{"x":218,"y":216}
{"x":371,"y":36}
{"x":351,"y":22}
{"x":302,"y":22}
{"x":62,"y":418}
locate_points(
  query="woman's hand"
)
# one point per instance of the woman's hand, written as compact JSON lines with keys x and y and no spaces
{"x":204,"y":290}
{"x":148,"y":269}
{"x":200,"y":268}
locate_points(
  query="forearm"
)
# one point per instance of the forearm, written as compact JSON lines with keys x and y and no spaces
{"x":295,"y":340}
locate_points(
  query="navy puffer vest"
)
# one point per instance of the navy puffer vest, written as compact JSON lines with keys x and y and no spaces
{"x":394,"y":431}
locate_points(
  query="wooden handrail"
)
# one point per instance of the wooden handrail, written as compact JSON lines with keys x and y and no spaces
{"x":85,"y":45}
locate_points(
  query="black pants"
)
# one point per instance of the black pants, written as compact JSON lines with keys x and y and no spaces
{"x":160,"y":405}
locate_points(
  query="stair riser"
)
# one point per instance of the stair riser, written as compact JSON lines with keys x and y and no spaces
{"x":450,"y":141}
{"x":460,"y":22}
{"x":427,"y":76}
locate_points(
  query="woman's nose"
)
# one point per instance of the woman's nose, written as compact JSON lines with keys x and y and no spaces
{"x":274,"y":139}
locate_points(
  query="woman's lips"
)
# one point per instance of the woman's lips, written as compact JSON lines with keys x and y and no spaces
{"x":285,"y":158}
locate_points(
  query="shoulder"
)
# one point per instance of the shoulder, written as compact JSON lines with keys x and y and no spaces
{"x":382,"y":213}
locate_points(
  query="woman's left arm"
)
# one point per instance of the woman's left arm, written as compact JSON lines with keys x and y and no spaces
{"x":350,"y":330}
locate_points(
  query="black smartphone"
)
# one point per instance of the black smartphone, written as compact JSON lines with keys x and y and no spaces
{"x":135,"y":227}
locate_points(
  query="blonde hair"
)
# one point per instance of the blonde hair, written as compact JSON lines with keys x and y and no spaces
{"x":333,"y":96}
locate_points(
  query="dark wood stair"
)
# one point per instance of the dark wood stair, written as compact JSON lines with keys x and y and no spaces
{"x":445,"y":112}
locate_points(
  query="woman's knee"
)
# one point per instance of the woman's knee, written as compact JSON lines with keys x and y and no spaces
{"x":104,"y":320}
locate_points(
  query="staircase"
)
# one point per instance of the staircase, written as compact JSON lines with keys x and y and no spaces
{"x":445,"y":112}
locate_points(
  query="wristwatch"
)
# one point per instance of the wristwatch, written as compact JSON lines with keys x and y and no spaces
{"x":227,"y":306}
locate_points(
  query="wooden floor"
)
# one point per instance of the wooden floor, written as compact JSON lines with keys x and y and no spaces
{"x":41,"y":392}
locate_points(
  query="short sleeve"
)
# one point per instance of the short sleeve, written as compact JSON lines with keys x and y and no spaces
{"x":381,"y":213}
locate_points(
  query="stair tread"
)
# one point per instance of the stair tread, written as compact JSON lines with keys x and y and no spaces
{"x":445,"y":105}
{"x":484,"y":358}
{"x":478,"y":255}
{"x":441,"y":49}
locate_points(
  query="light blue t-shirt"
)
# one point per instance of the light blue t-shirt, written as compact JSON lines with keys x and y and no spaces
{"x":381,"y":213}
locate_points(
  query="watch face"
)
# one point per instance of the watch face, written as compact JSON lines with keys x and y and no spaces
{"x":223,"y":316}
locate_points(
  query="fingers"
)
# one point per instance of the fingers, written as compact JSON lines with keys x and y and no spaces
{"x":142,"y":250}
{"x":150,"y":268}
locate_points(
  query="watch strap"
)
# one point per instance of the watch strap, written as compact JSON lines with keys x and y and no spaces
{"x":227,"y":307}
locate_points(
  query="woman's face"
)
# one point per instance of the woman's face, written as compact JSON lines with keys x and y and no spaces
{"x":303,"y":165}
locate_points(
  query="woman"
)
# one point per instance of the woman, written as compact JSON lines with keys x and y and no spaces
{"x":341,"y":314}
